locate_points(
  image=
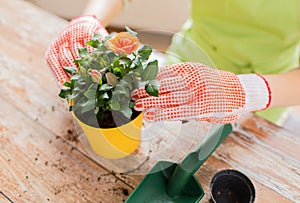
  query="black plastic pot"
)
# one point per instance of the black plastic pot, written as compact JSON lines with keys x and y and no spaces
{"x":231,"y":186}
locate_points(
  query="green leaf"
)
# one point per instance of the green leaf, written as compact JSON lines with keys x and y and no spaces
{"x":145,"y":52}
{"x":103,"y":63}
{"x":88,"y":105}
{"x":96,"y":36}
{"x":70,"y":69}
{"x":75,"y":77}
{"x":82,"y":51}
{"x":138,"y":63}
{"x":65,"y":92}
{"x":92,"y":121}
{"x":77,"y":61}
{"x":150,"y":71}
{"x":131,"y":104}
{"x":90,"y":93}
{"x":107,"y":37}
{"x":125,"y":62}
{"x":131,"y":77}
{"x":123,"y":83}
{"x":96,"y":110}
{"x":152,"y":88}
{"x":117,"y":70}
{"x":116,"y":61}
{"x":120,"y":91}
{"x":67,"y":84}
{"x":73,"y":96}
{"x":105,"y":87}
{"x":130,"y":31}
{"x":114,"y":103}
{"x":94,"y":42}
{"x":104,"y":96}
{"x":142,"y":83}
{"x":126,"y":111}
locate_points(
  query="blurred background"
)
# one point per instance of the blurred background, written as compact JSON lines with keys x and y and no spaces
{"x":156,"y":20}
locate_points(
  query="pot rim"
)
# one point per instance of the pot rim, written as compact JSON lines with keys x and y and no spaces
{"x":109,"y":129}
{"x":232,"y":172}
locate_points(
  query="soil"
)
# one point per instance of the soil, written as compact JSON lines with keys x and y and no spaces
{"x":111,"y":119}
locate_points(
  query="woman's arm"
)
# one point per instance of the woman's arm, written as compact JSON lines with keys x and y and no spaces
{"x":285,"y":88}
{"x":105,"y":10}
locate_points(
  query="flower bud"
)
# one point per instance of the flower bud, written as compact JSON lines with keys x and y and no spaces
{"x":96,"y":76}
{"x":111,"y":78}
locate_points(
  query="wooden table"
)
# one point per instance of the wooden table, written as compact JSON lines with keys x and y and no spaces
{"x":42,"y":159}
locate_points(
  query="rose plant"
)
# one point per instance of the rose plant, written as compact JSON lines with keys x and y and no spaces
{"x":106,"y":73}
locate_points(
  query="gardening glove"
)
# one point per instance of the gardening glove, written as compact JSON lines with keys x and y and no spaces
{"x":64,"y":49}
{"x":193,"y":91}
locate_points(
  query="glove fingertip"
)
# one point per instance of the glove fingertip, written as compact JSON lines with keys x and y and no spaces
{"x":139,"y":94}
{"x":138,"y":106}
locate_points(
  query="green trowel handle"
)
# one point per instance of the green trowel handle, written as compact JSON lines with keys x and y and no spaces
{"x":192,"y":162}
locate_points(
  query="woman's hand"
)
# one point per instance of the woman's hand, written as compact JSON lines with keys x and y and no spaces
{"x":64,"y":49}
{"x":192,"y":91}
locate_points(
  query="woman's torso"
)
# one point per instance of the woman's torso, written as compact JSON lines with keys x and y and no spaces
{"x":246,"y":36}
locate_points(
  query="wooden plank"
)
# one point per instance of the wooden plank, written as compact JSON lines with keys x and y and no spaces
{"x":259,"y":130}
{"x":26,"y":81}
{"x":38,"y":166}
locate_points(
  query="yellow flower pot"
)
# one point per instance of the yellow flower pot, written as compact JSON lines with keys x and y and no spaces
{"x":114,"y":143}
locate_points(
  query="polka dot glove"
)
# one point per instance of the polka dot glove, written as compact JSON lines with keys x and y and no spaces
{"x":192,"y":91}
{"x":64,"y":49}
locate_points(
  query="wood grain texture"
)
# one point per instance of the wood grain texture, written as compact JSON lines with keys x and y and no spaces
{"x":38,"y":166}
{"x":44,"y":159}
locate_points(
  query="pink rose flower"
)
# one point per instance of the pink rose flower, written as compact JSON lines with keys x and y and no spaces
{"x":123,"y":42}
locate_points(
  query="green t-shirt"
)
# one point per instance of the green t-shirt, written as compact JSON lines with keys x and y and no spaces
{"x":241,"y":36}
